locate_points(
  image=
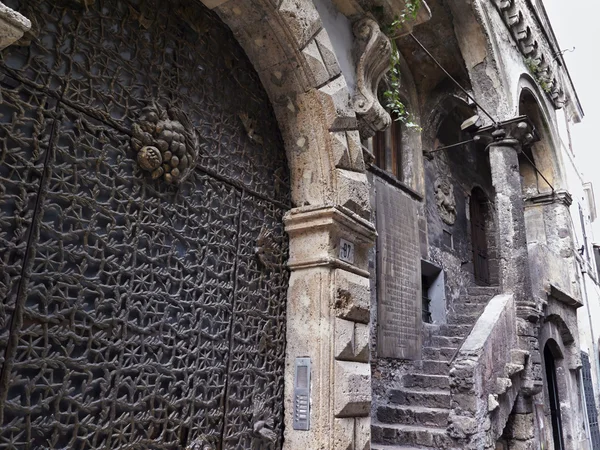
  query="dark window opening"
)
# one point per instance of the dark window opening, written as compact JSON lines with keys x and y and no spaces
{"x":426,"y":301}
{"x":433,"y":293}
{"x":597,"y":259}
{"x":590,"y":403}
{"x":387,"y":149}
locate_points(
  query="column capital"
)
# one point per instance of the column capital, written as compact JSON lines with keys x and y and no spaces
{"x":318,"y":233}
{"x":515,"y":133}
{"x":549,"y":198}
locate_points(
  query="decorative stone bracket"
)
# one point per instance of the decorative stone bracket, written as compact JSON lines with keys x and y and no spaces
{"x":529,"y":44}
{"x":372,"y":57}
{"x":516,"y":132}
{"x":12,"y":26}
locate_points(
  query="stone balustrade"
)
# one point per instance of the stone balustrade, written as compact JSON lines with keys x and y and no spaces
{"x":485,"y":376}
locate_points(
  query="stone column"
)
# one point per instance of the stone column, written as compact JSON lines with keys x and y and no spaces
{"x":513,"y":257}
{"x":328,"y":321}
{"x":510,"y":217}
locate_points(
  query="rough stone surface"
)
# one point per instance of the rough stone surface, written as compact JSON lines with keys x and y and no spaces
{"x":352,"y":396}
{"x":12,"y":26}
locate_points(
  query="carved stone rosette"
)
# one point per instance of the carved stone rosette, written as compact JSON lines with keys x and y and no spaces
{"x":372,"y":57}
{"x":166,"y":143}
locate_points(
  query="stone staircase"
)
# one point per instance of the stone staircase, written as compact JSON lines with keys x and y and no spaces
{"x":416,"y":415}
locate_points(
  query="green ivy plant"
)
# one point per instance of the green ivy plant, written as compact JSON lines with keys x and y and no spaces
{"x":533,"y":65}
{"x":392,"y":94}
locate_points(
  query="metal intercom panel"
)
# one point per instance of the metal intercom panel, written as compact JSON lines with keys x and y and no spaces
{"x":302,"y":394}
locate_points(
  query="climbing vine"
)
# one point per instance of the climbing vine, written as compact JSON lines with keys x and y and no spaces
{"x":392,"y":94}
{"x":533,"y":65}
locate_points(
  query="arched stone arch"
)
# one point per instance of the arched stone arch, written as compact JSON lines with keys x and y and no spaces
{"x":543,"y":153}
{"x":564,"y":331}
{"x":328,"y":297}
{"x":296,"y":62}
{"x":441,"y":106}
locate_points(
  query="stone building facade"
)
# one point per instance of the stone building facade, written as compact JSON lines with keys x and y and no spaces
{"x":216,"y":236}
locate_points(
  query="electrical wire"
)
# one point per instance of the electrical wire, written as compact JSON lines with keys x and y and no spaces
{"x":452,"y":78}
{"x":537,"y":170}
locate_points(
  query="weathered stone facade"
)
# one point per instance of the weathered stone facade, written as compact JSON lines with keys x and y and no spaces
{"x":436,"y":329}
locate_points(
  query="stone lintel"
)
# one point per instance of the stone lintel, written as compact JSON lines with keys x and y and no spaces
{"x":12,"y":26}
{"x":316,"y":234}
{"x":563,"y":297}
{"x":549,"y":198}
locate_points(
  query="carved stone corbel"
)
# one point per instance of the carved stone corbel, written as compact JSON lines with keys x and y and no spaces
{"x":517,"y":133}
{"x":12,"y":26}
{"x":372,"y":57}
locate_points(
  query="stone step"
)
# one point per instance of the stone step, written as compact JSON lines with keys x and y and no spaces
{"x":463,"y":319}
{"x":431,"y":398}
{"x":467,"y":308}
{"x":413,"y":415}
{"x":394,"y":447}
{"x":479,"y":299}
{"x":434,"y":367}
{"x":483,"y":290}
{"x":375,"y":446}
{"x":411,"y":435}
{"x":445,"y":341}
{"x":426,"y":381}
{"x":438,"y":353}
{"x":454,"y":330}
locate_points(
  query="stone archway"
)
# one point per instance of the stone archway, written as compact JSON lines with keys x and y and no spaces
{"x":328,"y":311}
{"x":328,"y":299}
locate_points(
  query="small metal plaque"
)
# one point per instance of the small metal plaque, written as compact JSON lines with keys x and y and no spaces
{"x":346,"y":251}
{"x":302,"y":394}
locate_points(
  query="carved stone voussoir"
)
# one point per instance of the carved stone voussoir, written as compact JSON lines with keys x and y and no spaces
{"x":166,"y":143}
{"x":372,"y":57}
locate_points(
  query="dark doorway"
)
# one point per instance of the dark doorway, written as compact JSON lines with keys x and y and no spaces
{"x":479,"y":213}
{"x":557,"y":433}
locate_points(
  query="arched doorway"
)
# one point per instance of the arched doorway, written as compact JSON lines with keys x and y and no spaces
{"x":139,"y":312}
{"x":553,"y":397}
